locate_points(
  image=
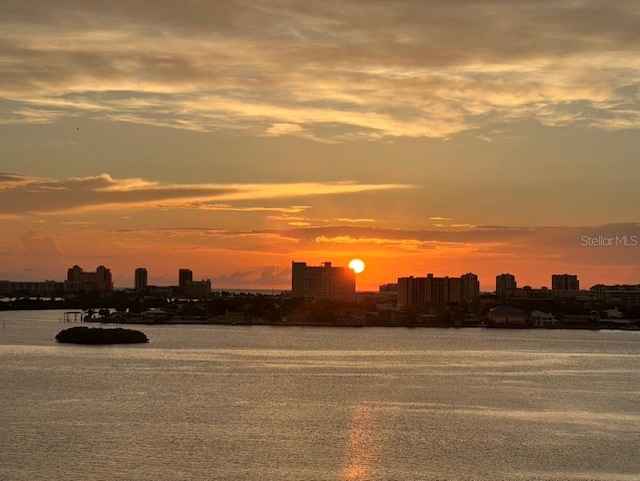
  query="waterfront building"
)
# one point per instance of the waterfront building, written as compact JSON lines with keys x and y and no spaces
{"x":323,"y":282}
{"x":184,"y":276}
{"x":140,"y":278}
{"x":198,"y":289}
{"x":542,"y":319}
{"x":30,"y":288}
{"x":527,"y":293}
{"x":390,"y":288}
{"x":565,"y":286}
{"x":504,"y":284}
{"x":469,"y":287}
{"x":388,"y":292}
{"x":167,"y":291}
{"x":80,"y":281}
{"x":442,"y":290}
{"x":565,"y":282}
{"x":428,"y":291}
{"x":624,"y":295}
{"x":412,"y":291}
{"x":507,"y":316}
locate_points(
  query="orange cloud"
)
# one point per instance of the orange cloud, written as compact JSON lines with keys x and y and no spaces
{"x":104,"y":193}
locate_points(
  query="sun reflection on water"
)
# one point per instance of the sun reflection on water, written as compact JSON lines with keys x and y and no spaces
{"x":360,"y":448}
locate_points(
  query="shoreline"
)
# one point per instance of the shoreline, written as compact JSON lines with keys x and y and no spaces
{"x":337,"y":317}
{"x":360,"y":325}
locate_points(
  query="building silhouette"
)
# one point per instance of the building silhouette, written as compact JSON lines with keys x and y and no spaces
{"x":527,"y":293}
{"x":565,"y":282}
{"x":323,"y":282}
{"x":184,"y":277}
{"x":428,"y":291}
{"x":39,"y":288}
{"x":198,"y":289}
{"x":442,"y":290}
{"x":565,"y":286}
{"x":627,"y":295}
{"x":412,"y":291}
{"x":80,"y":281}
{"x":140,"y":278}
{"x":469,"y":287}
{"x":504,"y":284}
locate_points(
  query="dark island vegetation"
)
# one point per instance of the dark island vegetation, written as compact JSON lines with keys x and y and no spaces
{"x":97,"y":335}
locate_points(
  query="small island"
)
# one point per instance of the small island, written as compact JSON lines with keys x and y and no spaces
{"x":98,"y":335}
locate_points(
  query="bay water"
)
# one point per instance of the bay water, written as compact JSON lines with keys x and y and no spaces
{"x":204,"y":402}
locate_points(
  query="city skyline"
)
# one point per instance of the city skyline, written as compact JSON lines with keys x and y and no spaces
{"x":468,"y":285}
{"x":418,"y":136}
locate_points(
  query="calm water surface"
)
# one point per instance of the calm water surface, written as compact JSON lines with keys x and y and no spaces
{"x":274,"y":403}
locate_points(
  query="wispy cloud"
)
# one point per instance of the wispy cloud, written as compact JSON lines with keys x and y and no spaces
{"x":284,"y":129}
{"x":294,"y":209}
{"x":356,"y":221}
{"x":324,"y":70}
{"x":561,"y":244}
{"x":24,"y":195}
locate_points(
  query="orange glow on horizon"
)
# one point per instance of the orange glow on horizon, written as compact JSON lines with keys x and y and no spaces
{"x":238,"y":258}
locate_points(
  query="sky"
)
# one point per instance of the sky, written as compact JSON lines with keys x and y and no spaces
{"x":234,"y":137}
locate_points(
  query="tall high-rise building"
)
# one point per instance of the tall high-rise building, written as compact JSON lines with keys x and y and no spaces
{"x":430,"y":290}
{"x":565,"y":282}
{"x":298,"y":271}
{"x":504,"y":284}
{"x":323,"y":282}
{"x":469,"y":287}
{"x":442,"y":290}
{"x":184,"y":277}
{"x":412,"y":291}
{"x":140,"y":279}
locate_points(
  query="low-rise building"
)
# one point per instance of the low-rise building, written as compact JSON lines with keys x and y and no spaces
{"x":624,"y":295}
{"x":542,"y":319}
{"x":527,"y":293}
{"x":198,"y":289}
{"x":30,"y":288}
{"x":507,"y":316}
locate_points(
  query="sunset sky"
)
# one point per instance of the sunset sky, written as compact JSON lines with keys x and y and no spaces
{"x":234,"y":137}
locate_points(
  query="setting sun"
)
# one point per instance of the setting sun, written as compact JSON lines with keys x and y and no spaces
{"x":357,"y":265}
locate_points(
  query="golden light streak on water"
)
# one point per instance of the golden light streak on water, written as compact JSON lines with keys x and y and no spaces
{"x":360,"y":449}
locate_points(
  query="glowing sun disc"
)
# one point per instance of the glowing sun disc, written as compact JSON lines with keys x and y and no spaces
{"x":357,"y":265}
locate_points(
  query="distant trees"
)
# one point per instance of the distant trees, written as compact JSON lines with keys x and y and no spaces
{"x":98,"y":335}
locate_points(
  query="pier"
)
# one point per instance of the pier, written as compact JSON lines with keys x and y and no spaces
{"x":72,"y":316}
